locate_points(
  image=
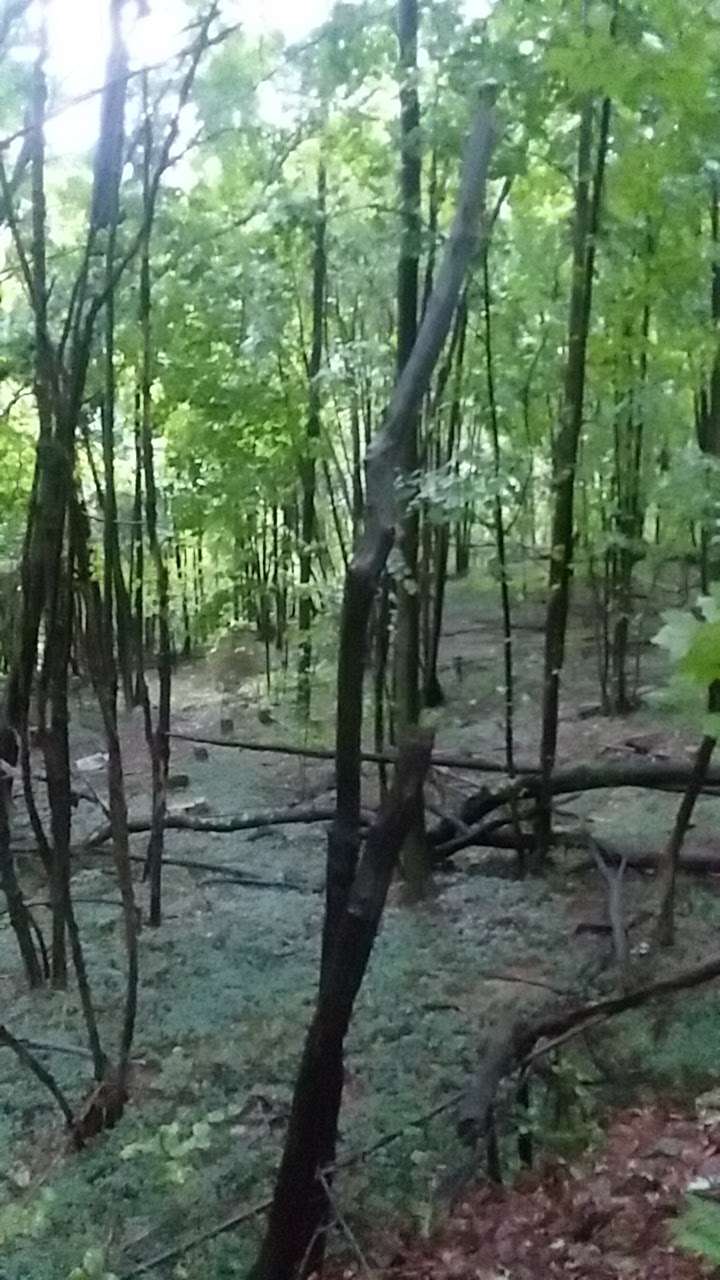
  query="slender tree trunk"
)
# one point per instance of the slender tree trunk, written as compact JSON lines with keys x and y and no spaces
{"x":139,"y":553}
{"x":116,"y":612}
{"x":354,"y":899}
{"x":308,"y":531}
{"x":588,"y":198}
{"x":708,"y":414}
{"x":18,"y":913}
{"x":414,"y":860}
{"x":499,"y":519}
{"x":295,"y":1236}
{"x":434,"y":696}
{"x":670,"y":857}
{"x":158,"y":737}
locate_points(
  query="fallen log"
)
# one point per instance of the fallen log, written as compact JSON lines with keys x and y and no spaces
{"x":221,"y":823}
{"x":516,"y":1048}
{"x":648,"y":775}
{"x":478,"y":764}
{"x":700,"y":858}
{"x":228,"y":873}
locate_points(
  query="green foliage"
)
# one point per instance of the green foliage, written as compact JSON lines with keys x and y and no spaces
{"x":692,"y":639}
{"x":92,"y":1267}
{"x":565,"y":1117}
{"x":698,"y":1228}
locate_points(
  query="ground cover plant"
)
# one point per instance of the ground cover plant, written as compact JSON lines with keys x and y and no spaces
{"x":359,"y":639}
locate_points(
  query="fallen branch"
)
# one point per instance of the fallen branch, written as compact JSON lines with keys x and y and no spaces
{"x":651,"y":775}
{"x":700,"y":859}
{"x":228,"y":823}
{"x":519,"y":1047}
{"x":28,"y":1059}
{"x":242,"y":1216}
{"x":480,"y":764}
{"x":614,"y":880}
{"x":229,"y":874}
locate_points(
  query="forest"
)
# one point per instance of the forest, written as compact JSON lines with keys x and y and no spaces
{"x":359,"y":639}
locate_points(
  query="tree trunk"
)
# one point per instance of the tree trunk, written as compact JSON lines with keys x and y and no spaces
{"x":300,"y":1205}
{"x":434,"y":696}
{"x":299,"y":1217}
{"x":158,"y":738}
{"x":588,"y":198}
{"x":668,"y":861}
{"x":17,"y":911}
{"x":308,"y":531}
{"x":414,"y":860}
{"x":499,"y":518}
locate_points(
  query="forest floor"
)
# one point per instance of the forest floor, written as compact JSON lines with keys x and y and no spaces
{"x":228,"y":983}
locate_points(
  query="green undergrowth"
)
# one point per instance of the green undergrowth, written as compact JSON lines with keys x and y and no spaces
{"x":228,"y":983}
{"x":228,"y":989}
{"x":698,"y":1229}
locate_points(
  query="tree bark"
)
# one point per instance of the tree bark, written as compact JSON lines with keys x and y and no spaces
{"x":158,"y":736}
{"x":669,"y":859}
{"x":406,"y":673}
{"x":308,"y":532}
{"x":588,"y":199}
{"x":299,"y":1216}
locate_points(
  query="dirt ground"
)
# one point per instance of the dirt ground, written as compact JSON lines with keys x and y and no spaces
{"x":228,"y":980}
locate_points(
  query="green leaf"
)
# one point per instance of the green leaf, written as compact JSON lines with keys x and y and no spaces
{"x":702,"y":660}
{"x":698,"y":1230}
{"x":678,"y":633}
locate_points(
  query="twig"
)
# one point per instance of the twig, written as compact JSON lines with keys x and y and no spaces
{"x":229,"y":823}
{"x":481,"y":764}
{"x":614,"y":882}
{"x":245,"y":1215}
{"x":486,"y":975}
{"x":344,"y":1225}
{"x":179,"y":1250}
{"x":81,"y":98}
{"x":28,"y":1059}
{"x":251,"y":882}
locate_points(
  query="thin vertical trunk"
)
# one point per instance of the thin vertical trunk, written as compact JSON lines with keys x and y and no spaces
{"x":407,"y":622}
{"x":116,"y":602}
{"x":180,"y":570}
{"x":109,"y":163}
{"x":308,"y":530}
{"x":629,"y":519}
{"x":139,"y":553}
{"x":588,"y":198}
{"x":407,"y":658}
{"x":158,"y":737}
{"x":708,"y":405}
{"x":355,"y":896}
{"x":499,"y":520}
{"x":669,"y":859}
{"x":381,"y":649}
{"x":100,"y":661}
{"x":433,"y":693}
{"x":18,"y":913}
